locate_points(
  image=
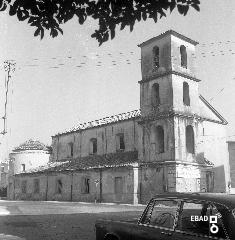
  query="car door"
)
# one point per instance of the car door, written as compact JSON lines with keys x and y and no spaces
{"x":158,"y":221}
{"x":194,"y":222}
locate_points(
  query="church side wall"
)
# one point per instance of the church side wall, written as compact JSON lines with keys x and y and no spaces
{"x":106,"y":140}
{"x":109,"y":185}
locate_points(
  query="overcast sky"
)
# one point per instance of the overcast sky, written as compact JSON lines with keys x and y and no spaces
{"x":63,"y":81}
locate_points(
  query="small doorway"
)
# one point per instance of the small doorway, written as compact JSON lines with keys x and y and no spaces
{"x":118,"y":188}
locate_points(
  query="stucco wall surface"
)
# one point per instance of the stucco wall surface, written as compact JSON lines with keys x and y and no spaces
{"x":30,"y":158}
{"x":106,"y":136}
{"x":101,"y":186}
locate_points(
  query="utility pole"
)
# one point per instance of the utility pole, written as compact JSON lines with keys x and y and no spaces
{"x":9,"y":68}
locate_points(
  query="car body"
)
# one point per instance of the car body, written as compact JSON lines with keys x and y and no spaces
{"x":175,"y":216}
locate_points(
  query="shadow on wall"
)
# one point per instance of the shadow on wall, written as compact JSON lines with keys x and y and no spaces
{"x":200,"y":158}
{"x":218,"y":174}
{"x":3,"y":192}
{"x":219,"y":179}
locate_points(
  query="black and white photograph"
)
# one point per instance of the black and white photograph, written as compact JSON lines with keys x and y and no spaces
{"x":117,"y":119}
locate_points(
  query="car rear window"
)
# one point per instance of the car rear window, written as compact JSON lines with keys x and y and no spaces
{"x":161,"y":213}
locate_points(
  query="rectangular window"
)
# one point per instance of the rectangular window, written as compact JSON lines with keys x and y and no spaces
{"x":71,"y":149}
{"x":59,"y":186}
{"x":93,"y":145}
{"x":120,"y":143}
{"x":24,"y":186}
{"x":36,"y":185}
{"x":22,"y":167}
{"x":87,"y":185}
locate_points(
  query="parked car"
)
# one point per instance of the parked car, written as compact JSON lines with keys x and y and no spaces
{"x":177,"y":216}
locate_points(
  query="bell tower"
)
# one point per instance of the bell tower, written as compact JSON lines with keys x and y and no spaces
{"x":170,"y":111}
{"x":168,"y":75}
{"x":175,"y":153}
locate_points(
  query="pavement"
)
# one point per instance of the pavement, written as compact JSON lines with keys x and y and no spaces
{"x":34,"y":220}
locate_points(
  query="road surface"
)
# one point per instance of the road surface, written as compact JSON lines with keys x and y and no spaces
{"x":34,"y":220}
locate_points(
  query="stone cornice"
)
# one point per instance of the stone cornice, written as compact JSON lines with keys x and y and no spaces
{"x":174,"y":162}
{"x":172,"y":113}
{"x":169,"y":32}
{"x":30,"y":152}
{"x":163,"y":74}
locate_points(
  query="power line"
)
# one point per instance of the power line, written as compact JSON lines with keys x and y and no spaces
{"x":221,"y":90}
{"x":122,"y":54}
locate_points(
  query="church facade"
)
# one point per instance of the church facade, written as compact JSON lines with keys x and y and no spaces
{"x":176,"y":142}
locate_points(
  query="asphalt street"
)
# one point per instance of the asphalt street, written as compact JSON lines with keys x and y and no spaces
{"x":33,"y":220}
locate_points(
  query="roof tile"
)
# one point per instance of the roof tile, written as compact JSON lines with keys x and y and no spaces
{"x":118,"y":159}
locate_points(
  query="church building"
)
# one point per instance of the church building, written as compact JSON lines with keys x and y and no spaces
{"x":175,"y":142}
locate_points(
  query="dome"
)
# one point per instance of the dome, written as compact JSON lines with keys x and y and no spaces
{"x":32,"y":145}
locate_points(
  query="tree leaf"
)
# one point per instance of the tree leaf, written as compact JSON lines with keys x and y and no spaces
{"x":3,"y":7}
{"x":54,"y":33}
{"x":37,"y":32}
{"x":22,"y":15}
{"x":183,"y":9}
{"x":112,"y":32}
{"x":144,"y":16}
{"x":13,"y":10}
{"x":196,"y":7}
{"x":123,"y":25}
{"x":51,"y":14}
{"x":61,"y":31}
{"x":172,"y":5}
{"x":42,"y":33}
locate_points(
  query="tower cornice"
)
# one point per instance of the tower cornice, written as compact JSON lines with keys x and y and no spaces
{"x":169,"y":32}
{"x":173,"y":113}
{"x":159,"y":75}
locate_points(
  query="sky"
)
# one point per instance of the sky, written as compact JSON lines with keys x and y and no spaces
{"x":67,"y":80}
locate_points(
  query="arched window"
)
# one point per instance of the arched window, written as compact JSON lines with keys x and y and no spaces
{"x":93,"y":146}
{"x":159,"y":139}
{"x":190,"y":139}
{"x":155,"y":96}
{"x":186,"y":98}
{"x":156,"y":58}
{"x":183,"y":55}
